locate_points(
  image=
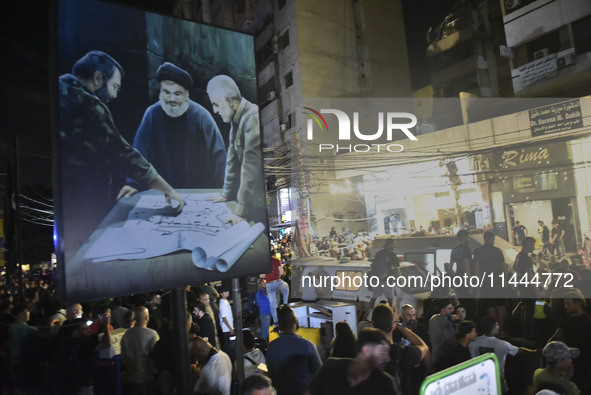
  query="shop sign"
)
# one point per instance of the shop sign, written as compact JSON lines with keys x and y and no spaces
{"x":531,"y":157}
{"x":513,"y":158}
{"x":556,"y":118}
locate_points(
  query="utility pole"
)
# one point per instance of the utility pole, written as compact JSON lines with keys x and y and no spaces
{"x":452,"y":173}
{"x":17,"y":219}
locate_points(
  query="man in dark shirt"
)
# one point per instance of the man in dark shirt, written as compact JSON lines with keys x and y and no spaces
{"x":291,"y":359}
{"x":574,"y":331}
{"x":557,"y":240}
{"x":461,"y":258}
{"x":75,"y":358}
{"x":523,"y":263}
{"x":362,"y":375}
{"x":205,"y":323}
{"x":519,"y":232}
{"x":465,"y":335}
{"x":93,"y":152}
{"x":524,"y":269}
{"x":403,"y":358}
{"x":544,"y":232}
{"x":384,"y":264}
{"x":461,"y":255}
{"x":490,"y":260}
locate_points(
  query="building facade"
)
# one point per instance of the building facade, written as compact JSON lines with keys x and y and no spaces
{"x":478,"y":162}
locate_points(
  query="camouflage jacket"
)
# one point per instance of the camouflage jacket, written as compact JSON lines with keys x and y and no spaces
{"x":91,"y":147}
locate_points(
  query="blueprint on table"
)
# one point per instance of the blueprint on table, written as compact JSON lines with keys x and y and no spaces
{"x":153,"y":229}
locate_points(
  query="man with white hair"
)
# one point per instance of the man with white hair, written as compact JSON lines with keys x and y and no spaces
{"x":180,"y":137}
{"x":244,"y":181}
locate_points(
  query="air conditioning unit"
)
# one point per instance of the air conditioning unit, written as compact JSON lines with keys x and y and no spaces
{"x":512,"y":4}
{"x":542,"y":53}
{"x":271,"y":95}
{"x":566,"y":60}
{"x":283,"y":127}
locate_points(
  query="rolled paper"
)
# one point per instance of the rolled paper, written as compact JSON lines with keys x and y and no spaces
{"x":228,"y":258}
{"x":216,"y":257}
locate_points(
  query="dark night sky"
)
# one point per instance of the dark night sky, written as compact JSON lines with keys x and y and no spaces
{"x":25,"y":74}
{"x":24,"y":82}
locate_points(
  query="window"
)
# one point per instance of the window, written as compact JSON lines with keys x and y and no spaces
{"x":267,"y":91}
{"x":582,"y":35}
{"x":284,"y":39}
{"x":288,"y":79}
{"x":264,"y":53}
{"x":544,"y":45}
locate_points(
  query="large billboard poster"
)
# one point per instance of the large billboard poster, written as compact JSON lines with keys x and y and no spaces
{"x":159,"y":173}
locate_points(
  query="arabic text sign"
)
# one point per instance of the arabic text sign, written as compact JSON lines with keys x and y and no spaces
{"x":556,"y":118}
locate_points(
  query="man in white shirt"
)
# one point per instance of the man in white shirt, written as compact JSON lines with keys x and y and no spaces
{"x":227,"y":324}
{"x":501,"y":348}
{"x":215,"y":377}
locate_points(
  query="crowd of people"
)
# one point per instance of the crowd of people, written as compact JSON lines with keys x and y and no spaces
{"x":539,"y":320}
{"x":543,"y":327}
{"x":344,"y":245}
{"x":126,"y":345}
{"x":539,"y":328}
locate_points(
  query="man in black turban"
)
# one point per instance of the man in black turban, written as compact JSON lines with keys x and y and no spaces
{"x":179,"y":137}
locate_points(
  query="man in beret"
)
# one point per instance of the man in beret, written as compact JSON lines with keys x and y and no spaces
{"x":179,"y":136}
{"x":244,"y":181}
{"x":93,"y":152}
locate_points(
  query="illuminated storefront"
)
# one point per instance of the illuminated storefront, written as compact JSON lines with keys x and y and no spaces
{"x":422,"y":196}
{"x":531,"y":183}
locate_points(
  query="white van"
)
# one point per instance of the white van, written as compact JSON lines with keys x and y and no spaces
{"x":319,"y":277}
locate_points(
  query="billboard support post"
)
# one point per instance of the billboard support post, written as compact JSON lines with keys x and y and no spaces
{"x":238,"y":328}
{"x":181,"y":340}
